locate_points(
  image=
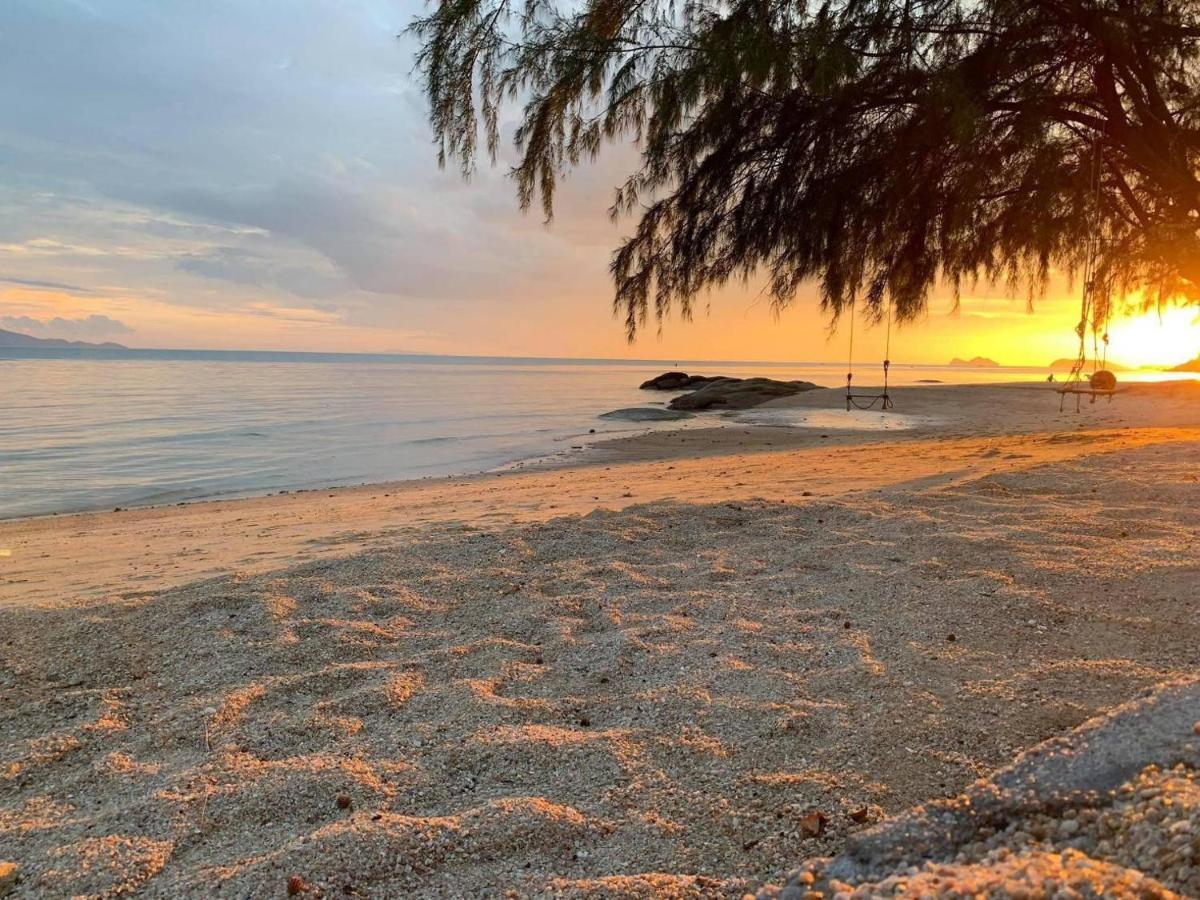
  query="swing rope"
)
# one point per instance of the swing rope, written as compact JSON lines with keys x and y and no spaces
{"x":1091,"y":315}
{"x":884,"y":399}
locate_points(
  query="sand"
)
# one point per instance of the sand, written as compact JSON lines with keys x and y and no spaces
{"x":641,"y":674}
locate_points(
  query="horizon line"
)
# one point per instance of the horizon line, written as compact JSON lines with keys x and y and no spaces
{"x":98,"y":348}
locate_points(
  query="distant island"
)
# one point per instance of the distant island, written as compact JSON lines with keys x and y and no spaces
{"x":16,"y":339}
{"x":978,"y":362}
{"x":1066,"y":365}
{"x":1190,"y":366}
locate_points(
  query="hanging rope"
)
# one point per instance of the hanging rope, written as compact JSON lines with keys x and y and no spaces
{"x":1093,"y":315}
{"x":850,"y":361}
{"x":868,"y":401}
{"x":1091,"y":253}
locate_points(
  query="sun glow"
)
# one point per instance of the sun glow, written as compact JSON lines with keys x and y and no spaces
{"x":1156,"y":339}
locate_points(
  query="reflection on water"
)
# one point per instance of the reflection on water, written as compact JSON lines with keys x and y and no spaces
{"x":832,"y":419}
{"x":93,"y":430}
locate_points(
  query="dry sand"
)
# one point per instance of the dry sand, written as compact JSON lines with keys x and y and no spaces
{"x":638,"y":676}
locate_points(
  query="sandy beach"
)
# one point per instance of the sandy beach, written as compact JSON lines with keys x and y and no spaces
{"x":634,"y":672}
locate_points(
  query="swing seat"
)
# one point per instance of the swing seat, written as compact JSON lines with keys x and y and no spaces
{"x":868,"y":401}
{"x":1102,"y":383}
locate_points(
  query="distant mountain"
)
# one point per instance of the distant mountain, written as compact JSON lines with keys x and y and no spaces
{"x":1192,"y":366}
{"x":16,"y":339}
{"x":978,"y":362}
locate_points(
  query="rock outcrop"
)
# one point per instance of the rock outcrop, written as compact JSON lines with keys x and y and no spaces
{"x":1112,"y":809}
{"x":721,"y":392}
{"x":738,"y":393}
{"x":677,"y":381}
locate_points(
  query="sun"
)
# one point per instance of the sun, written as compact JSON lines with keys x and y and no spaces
{"x":1156,"y":339}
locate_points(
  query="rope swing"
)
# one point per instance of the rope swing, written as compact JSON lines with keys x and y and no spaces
{"x":868,"y":401}
{"x":1094,"y":314}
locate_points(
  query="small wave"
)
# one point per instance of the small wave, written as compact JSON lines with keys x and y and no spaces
{"x":437,"y":439}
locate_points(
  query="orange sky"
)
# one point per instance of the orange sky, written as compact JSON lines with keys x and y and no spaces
{"x":735,"y":327}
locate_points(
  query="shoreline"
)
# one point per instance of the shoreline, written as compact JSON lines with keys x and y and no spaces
{"x":713,"y":429}
{"x":644,"y":438}
{"x":96,"y":555}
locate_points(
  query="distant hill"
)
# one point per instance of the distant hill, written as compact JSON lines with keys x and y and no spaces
{"x":16,"y":339}
{"x":1066,"y":365}
{"x":1192,"y":366}
{"x":978,"y":362}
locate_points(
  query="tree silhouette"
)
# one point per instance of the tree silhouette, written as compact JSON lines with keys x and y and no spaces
{"x":878,"y":146}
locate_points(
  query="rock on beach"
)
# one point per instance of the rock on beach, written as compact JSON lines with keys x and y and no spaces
{"x":720,"y":392}
{"x":739,"y":393}
{"x":1111,"y":809}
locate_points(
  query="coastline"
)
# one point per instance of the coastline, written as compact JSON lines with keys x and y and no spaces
{"x":964,"y":431}
{"x":147,"y":433}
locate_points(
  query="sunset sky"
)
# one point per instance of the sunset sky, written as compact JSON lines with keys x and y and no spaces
{"x":260,"y":175}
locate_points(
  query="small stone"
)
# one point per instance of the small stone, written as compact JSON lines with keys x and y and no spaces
{"x":813,"y":824}
{"x":9,"y":872}
{"x":343,"y":802}
{"x":296,"y":885}
{"x":951,"y":638}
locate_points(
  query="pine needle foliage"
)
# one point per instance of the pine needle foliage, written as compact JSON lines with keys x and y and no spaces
{"x":879,"y":147}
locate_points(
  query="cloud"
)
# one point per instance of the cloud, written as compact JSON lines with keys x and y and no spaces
{"x":292,"y":314}
{"x":40,"y":285}
{"x":43,"y":246}
{"x":82,"y":329}
{"x":245,"y":267}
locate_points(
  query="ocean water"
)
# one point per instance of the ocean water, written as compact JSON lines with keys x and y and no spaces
{"x":83,"y":429}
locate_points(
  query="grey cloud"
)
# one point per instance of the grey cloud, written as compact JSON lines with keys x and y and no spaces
{"x":245,"y":267}
{"x":379,"y":248}
{"x":86,"y":328}
{"x":38,"y":284}
{"x":226,"y":264}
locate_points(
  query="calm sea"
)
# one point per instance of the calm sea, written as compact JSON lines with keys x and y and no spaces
{"x":83,"y":429}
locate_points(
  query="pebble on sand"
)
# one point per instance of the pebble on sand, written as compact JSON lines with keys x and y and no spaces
{"x":9,"y":872}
